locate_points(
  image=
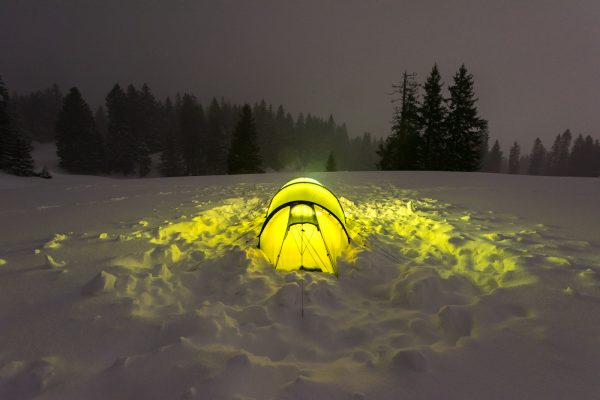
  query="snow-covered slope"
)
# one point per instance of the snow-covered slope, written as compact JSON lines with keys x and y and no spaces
{"x":455,"y":286}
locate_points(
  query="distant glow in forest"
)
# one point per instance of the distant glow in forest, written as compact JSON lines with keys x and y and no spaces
{"x":305,"y":227}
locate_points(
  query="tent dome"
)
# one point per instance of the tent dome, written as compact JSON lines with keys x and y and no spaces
{"x":305,"y":227}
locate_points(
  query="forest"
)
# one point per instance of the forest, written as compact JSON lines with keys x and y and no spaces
{"x":134,"y":132}
{"x":433,"y":132}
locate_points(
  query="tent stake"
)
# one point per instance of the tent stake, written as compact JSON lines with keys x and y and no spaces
{"x":302,"y":297}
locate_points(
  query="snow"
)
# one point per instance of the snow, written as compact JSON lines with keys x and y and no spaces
{"x":455,"y":286}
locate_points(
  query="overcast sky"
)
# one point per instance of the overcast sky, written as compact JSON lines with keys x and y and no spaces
{"x":536,"y":63}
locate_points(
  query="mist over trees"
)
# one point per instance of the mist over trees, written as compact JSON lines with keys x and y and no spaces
{"x":132,"y":131}
{"x":433,"y":132}
{"x":581,"y":158}
{"x":514,"y":158}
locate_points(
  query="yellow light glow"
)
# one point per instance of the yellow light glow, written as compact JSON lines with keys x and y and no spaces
{"x":305,"y":228}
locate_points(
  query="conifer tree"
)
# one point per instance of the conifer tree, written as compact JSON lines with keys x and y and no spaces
{"x":5,"y":127}
{"x":596,"y":164}
{"x":149,"y":119}
{"x":15,"y":149}
{"x":141,"y":119}
{"x":432,"y":114}
{"x":401,"y":149}
{"x":465,"y":129}
{"x":121,"y":142}
{"x":78,"y":143}
{"x":19,"y":160}
{"x":581,"y":159}
{"x":558,"y":158}
{"x":192,"y":126}
{"x":537,"y":159}
{"x":101,"y":123}
{"x":171,"y":160}
{"x":244,"y":154}
{"x":330,"y":165}
{"x":514,"y":158}
{"x":215,"y":140}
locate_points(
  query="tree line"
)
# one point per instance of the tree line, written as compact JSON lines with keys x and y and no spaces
{"x":134,"y":130}
{"x":15,"y":148}
{"x":566,"y":157}
{"x":432,"y":132}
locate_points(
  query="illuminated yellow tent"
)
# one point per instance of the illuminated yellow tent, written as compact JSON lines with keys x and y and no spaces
{"x":305,"y":227}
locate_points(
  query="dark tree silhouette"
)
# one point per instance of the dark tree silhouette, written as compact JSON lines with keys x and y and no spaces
{"x":244,"y":154}
{"x":38,"y":112}
{"x":558,"y":159}
{"x":581,"y":159}
{"x":78,"y":143}
{"x":537,"y":159}
{"x":330,"y":165}
{"x":597,"y":157}
{"x":171,"y":159}
{"x":514,"y":158}
{"x":149,"y":119}
{"x":215,"y":140}
{"x":400,"y":151}
{"x":432,"y":115}
{"x":121,"y":144}
{"x":192,"y":126}
{"x":465,"y":129}
{"x":15,"y":149}
{"x":101,"y":122}
{"x":141,"y":118}
{"x":5,"y":126}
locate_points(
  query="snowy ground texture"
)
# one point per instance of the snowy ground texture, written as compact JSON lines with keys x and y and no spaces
{"x":455,"y":286}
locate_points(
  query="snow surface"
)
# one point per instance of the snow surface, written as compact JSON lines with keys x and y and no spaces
{"x":455,"y":286}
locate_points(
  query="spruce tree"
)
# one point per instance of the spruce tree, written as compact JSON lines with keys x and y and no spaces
{"x":514,"y":158}
{"x":537,"y":159}
{"x":19,"y":160}
{"x":330,"y":165}
{"x":596,"y":163}
{"x":215,"y":140}
{"x":141,"y":119}
{"x":558,"y":158}
{"x":5,"y":127}
{"x":581,"y":159}
{"x":78,"y":143}
{"x":432,"y":114}
{"x":171,"y":160}
{"x":15,"y":149}
{"x":192,"y":126}
{"x":401,"y":149}
{"x":101,"y":123}
{"x":465,"y":129}
{"x":244,"y":154}
{"x":122,"y":152}
{"x":150,"y":119}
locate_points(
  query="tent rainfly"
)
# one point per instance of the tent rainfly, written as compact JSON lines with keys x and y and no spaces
{"x":305,"y":227}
